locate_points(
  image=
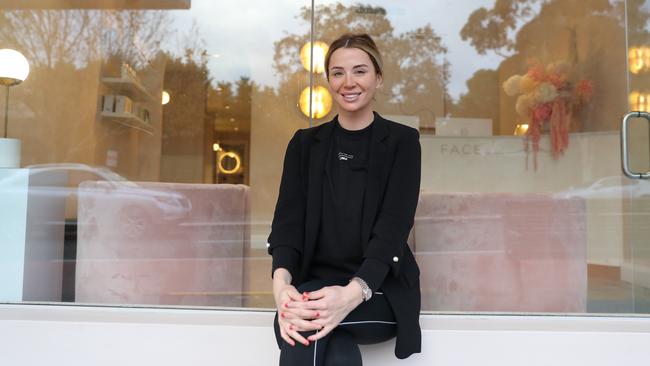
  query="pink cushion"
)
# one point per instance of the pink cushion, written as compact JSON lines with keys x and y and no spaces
{"x":161,"y":243}
{"x":501,"y":252}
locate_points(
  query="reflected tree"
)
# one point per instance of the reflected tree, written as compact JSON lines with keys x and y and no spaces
{"x":65,"y":49}
{"x":186,"y":80}
{"x":589,"y":34}
{"x":185,"y":124}
{"x":79,"y":37}
{"x":230,"y":104}
{"x":482,"y":98}
{"x":48,"y":38}
{"x":136,"y":36}
{"x":415,"y":69}
{"x":492,"y":29}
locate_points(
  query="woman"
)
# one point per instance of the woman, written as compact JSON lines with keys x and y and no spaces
{"x":343,"y":274}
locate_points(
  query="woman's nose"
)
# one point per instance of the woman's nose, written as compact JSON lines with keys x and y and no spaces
{"x":348,"y":81}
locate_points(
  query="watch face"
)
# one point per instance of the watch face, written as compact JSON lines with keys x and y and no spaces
{"x":367,"y":293}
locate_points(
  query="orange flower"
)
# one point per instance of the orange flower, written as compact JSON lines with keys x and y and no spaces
{"x":536,"y":72}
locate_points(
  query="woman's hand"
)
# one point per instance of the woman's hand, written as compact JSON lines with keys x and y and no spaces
{"x":331,"y":305}
{"x":291,"y":320}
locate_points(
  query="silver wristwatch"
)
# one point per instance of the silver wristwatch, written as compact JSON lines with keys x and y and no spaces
{"x":366,"y":292}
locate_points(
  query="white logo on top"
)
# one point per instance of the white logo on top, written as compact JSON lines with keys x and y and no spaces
{"x":344,"y":156}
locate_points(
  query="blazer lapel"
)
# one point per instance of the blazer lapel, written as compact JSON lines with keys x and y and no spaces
{"x":376,"y":178}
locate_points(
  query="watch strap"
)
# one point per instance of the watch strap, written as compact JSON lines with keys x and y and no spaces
{"x":366,"y":292}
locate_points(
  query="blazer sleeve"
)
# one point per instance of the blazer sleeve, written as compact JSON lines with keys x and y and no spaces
{"x":285,"y":242}
{"x":389,"y":234}
{"x":373,"y":272}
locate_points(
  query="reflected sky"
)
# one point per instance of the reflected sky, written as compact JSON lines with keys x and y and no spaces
{"x":245,"y":48}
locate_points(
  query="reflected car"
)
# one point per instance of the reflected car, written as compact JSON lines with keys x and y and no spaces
{"x":50,"y":181}
{"x":614,"y":187}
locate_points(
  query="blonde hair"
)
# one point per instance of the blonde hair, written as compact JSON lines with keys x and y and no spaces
{"x":361,"y":41}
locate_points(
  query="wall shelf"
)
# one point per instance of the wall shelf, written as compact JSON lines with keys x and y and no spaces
{"x":128,"y":119}
{"x":133,"y":89}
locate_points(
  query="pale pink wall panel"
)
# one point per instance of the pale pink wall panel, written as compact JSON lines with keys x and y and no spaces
{"x":501,"y":252}
{"x":161,"y":243}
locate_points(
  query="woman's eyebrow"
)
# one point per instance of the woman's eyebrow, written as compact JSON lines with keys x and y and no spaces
{"x":342,"y":68}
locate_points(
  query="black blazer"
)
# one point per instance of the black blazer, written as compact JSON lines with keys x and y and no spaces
{"x":392,"y":191}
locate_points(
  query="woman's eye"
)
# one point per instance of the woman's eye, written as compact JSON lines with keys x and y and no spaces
{"x":360,"y":72}
{"x":337,"y":74}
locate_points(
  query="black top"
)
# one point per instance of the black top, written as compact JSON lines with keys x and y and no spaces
{"x":338,"y":251}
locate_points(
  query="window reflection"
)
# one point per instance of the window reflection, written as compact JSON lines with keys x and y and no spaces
{"x":526,"y":232}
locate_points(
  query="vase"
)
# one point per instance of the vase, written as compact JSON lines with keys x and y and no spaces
{"x":9,"y":153}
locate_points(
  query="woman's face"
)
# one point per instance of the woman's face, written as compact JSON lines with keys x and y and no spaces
{"x":352,"y":79}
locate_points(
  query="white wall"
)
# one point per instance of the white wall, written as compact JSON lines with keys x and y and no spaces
{"x":13,"y":229}
{"x":498,"y":163}
{"x":32,"y":212}
{"x":76,"y":335}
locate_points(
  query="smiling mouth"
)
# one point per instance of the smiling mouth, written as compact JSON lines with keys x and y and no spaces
{"x":351,"y":97}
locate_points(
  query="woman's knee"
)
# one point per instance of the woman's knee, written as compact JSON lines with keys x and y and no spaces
{"x":342,"y":350}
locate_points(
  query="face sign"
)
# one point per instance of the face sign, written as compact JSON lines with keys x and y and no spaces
{"x":352,"y":79}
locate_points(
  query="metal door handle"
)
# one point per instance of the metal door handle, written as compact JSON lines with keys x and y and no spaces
{"x":624,"y":145}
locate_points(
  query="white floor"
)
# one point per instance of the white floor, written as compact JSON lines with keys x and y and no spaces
{"x":84,"y":335}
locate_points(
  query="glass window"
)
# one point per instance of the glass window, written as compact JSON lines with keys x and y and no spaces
{"x":523,"y":206}
{"x":152,"y":138}
{"x":141,"y":156}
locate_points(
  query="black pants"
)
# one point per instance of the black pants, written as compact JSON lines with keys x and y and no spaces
{"x":371,"y":322}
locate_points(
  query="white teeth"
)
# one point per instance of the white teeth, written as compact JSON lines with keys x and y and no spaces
{"x":351,"y":97}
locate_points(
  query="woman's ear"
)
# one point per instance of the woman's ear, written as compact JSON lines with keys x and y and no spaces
{"x":380,"y":81}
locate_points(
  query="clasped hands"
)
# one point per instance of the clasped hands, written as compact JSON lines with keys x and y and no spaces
{"x":320,"y":310}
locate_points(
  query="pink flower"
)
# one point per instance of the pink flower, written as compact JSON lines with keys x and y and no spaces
{"x":548,"y":96}
{"x":542,"y":112}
